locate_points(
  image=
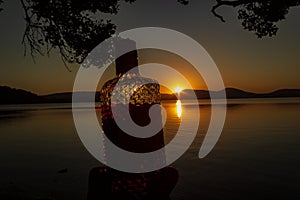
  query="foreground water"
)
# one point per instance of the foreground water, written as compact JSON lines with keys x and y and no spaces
{"x":257,"y":155}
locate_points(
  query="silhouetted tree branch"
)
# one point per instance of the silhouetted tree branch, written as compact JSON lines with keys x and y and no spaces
{"x":75,"y":27}
{"x":184,"y":2}
{"x":224,"y":3}
{"x":259,"y":16}
{"x":67,"y":25}
{"x":0,"y":5}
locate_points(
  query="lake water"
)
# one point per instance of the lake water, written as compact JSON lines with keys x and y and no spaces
{"x":257,"y":155}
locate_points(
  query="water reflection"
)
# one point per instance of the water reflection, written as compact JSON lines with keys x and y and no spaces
{"x":178,"y":108}
{"x":47,"y":138}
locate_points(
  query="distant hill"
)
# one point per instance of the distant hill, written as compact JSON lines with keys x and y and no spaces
{"x":58,"y":97}
{"x":283,"y":93}
{"x":17,"y":96}
{"x":233,"y":93}
{"x":65,"y":97}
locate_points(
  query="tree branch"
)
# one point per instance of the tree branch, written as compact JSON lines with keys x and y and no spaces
{"x":1,"y":1}
{"x":227,"y":3}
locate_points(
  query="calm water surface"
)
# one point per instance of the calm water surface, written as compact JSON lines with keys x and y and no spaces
{"x":257,"y":156}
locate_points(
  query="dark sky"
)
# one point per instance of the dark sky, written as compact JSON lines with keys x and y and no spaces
{"x":245,"y":62}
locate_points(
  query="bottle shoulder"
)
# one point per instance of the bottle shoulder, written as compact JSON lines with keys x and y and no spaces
{"x":135,"y":90}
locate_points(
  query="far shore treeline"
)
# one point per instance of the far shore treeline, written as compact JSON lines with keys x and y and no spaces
{"x":18,"y":96}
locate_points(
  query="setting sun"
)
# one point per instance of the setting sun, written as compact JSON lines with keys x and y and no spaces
{"x":178,"y":89}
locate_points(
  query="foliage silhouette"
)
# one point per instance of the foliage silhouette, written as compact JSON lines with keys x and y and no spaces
{"x":69,"y":25}
{"x":75,"y":27}
{"x":259,"y":16}
{"x":1,"y":1}
{"x":72,"y":26}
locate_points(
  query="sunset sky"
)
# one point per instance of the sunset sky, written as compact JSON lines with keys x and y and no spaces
{"x":245,"y":62}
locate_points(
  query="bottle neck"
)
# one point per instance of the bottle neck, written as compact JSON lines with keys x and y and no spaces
{"x":127,"y":62}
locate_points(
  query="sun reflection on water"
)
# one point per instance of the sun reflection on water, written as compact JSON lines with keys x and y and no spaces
{"x":178,"y":108}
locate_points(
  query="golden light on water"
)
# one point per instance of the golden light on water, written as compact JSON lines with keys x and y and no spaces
{"x":178,"y":108}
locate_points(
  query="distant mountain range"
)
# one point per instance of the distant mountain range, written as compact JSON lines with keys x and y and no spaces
{"x":18,"y":96}
{"x":233,"y":93}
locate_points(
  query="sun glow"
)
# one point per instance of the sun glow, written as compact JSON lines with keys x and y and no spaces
{"x":178,"y":89}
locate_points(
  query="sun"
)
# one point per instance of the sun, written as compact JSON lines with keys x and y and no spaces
{"x":178,"y":89}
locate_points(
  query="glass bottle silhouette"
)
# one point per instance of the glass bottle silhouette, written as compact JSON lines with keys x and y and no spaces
{"x":157,"y":184}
